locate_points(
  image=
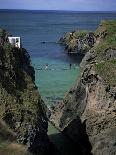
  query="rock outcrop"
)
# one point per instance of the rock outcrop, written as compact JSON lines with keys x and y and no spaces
{"x":93,"y":98}
{"x":20,"y":103}
{"x":78,"y":42}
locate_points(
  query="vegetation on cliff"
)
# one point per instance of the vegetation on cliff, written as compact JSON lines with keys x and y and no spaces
{"x":107,"y":35}
{"x":107,"y":70}
{"x":20,"y":103}
{"x":105,"y":51}
{"x":77,"y":41}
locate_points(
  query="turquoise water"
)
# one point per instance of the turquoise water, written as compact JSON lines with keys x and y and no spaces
{"x":55,"y":81}
{"x":36,"y":27}
{"x":56,"y":88}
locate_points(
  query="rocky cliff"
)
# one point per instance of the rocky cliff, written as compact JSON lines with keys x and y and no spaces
{"x":88,"y":112}
{"x":21,"y":106}
{"x":78,"y":41}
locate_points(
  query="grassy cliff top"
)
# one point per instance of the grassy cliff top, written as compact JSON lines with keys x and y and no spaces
{"x":107,"y":33}
{"x":107,"y":70}
{"x":106,"y":51}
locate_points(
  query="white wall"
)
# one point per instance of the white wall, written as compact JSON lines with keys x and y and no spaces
{"x":12,"y":41}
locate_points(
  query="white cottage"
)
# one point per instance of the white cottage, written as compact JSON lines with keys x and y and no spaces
{"x":15,"y":41}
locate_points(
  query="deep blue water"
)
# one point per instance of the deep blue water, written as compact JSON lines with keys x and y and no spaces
{"x":36,"y":27}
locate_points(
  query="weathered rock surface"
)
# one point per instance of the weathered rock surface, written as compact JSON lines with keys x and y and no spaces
{"x":20,"y":103}
{"x":93,"y":98}
{"x":78,"y":42}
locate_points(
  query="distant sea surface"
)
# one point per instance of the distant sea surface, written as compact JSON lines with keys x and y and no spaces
{"x":36,"y":27}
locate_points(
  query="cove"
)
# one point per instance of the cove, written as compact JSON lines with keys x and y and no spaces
{"x":39,"y":32}
{"x":55,"y":81}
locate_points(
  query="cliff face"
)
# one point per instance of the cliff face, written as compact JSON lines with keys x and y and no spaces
{"x":20,"y":103}
{"x":93,"y":99}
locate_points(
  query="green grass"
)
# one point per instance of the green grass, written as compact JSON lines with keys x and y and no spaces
{"x":76,"y":34}
{"x":80,"y":33}
{"x":107,"y":70}
{"x":108,"y":41}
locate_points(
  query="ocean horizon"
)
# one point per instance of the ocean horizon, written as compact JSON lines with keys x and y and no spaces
{"x":75,"y":11}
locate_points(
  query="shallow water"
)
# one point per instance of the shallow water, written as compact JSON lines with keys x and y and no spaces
{"x":57,"y":79}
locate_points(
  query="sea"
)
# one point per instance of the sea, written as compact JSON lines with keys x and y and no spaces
{"x":40,"y":32}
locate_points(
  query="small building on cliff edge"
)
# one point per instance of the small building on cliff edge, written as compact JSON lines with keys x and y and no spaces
{"x":15,"y":41}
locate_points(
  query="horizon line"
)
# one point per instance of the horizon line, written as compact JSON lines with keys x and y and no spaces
{"x":62,"y":10}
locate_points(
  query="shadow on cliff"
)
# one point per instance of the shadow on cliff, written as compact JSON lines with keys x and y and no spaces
{"x":73,"y":140}
{"x":76,"y":131}
{"x":64,"y":145}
